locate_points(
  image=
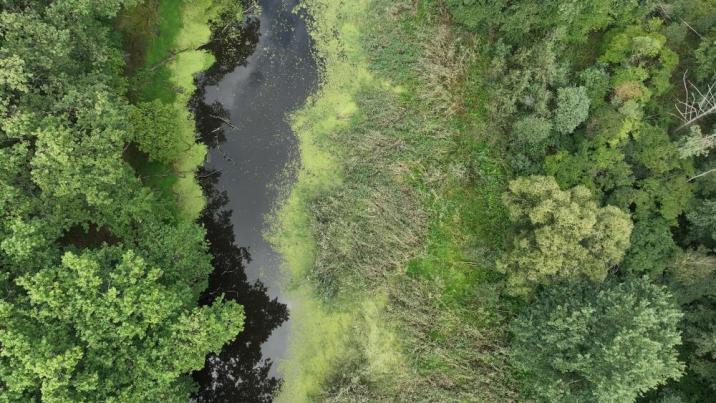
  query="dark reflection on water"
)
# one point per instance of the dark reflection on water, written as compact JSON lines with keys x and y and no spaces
{"x":231,"y":44}
{"x":264,"y":70}
{"x":239,"y":373}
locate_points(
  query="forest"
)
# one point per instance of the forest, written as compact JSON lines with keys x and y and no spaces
{"x":496,"y":201}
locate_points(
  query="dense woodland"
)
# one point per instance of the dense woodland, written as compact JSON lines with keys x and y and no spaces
{"x":100,"y":277}
{"x":606,"y":110}
{"x":544,"y":182}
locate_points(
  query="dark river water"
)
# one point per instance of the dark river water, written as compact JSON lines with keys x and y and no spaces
{"x":264,"y":71}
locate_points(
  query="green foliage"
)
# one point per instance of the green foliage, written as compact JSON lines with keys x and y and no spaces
{"x":706,"y":57}
{"x":639,"y":55}
{"x":477,"y":14}
{"x":596,"y":81}
{"x":155,"y":125}
{"x":519,"y":20}
{"x":561,"y":235}
{"x":105,"y":326}
{"x":693,"y":279}
{"x":522,"y":81}
{"x":531,"y":130}
{"x":572,"y":109}
{"x":98,"y":282}
{"x":702,"y":218}
{"x":78,"y":164}
{"x":652,"y":247}
{"x":604,"y":344}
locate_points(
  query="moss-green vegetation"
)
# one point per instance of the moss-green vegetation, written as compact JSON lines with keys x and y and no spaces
{"x":394,"y":218}
{"x":428,"y":109}
{"x":319,"y":333}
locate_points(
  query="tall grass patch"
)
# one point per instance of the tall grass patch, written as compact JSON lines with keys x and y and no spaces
{"x":394,"y":224}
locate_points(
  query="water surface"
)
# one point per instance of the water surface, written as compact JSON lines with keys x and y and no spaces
{"x":264,"y":71}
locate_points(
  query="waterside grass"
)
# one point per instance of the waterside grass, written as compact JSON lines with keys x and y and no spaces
{"x":391,"y":231}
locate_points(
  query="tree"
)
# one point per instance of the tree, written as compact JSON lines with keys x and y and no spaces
{"x":702,"y":220}
{"x":105,"y":326}
{"x":706,"y":56}
{"x":693,"y":279}
{"x":560,"y":235}
{"x":612,"y":343}
{"x":78,"y":164}
{"x":652,"y":247}
{"x":531,"y":130}
{"x":640,"y":62}
{"x":155,"y":127}
{"x":572,"y":109}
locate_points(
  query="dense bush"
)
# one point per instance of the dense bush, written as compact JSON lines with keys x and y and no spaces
{"x":561,"y":235}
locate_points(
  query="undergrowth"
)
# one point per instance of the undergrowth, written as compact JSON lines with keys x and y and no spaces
{"x":395,"y":222}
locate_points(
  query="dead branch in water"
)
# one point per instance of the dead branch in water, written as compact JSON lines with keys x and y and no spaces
{"x":225,"y":120}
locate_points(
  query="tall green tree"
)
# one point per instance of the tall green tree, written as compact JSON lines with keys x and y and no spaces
{"x":104,"y":326}
{"x":572,"y":109}
{"x":560,"y":235}
{"x":611,"y":343}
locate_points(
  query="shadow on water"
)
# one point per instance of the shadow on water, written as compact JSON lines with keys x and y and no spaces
{"x":239,"y":373}
{"x":264,"y":70}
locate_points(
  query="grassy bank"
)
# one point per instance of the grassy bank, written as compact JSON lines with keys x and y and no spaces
{"x":162,"y":40}
{"x":395,"y":221}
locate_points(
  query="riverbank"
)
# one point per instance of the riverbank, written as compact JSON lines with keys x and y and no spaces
{"x":395,"y":221}
{"x":162,"y":44}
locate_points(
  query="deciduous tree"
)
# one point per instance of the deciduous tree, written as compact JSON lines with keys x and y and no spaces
{"x":561,"y":235}
{"x":610,"y":343}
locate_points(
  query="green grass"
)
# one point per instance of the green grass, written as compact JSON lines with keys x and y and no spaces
{"x":394,"y":224}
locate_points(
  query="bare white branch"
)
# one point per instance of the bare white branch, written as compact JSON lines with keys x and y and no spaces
{"x":697,"y":103}
{"x":702,"y":174}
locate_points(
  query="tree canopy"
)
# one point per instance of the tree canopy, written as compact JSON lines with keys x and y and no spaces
{"x":99,"y":281}
{"x":561,"y":235}
{"x":608,"y":343}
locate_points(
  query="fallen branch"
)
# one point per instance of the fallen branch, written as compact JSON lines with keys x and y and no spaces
{"x":697,"y":104}
{"x":169,"y":58}
{"x":212,"y":173}
{"x":225,"y":120}
{"x":666,"y":14}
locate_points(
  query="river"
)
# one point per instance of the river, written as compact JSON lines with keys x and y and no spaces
{"x":264,"y":71}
